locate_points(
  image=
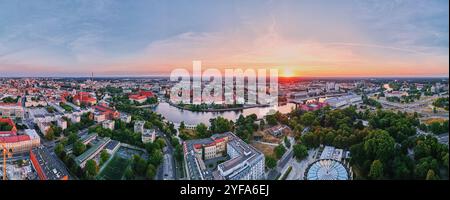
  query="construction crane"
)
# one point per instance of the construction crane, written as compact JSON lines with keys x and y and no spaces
{"x":8,"y":153}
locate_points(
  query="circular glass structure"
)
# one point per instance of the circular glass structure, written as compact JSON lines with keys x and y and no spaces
{"x":327,"y":169}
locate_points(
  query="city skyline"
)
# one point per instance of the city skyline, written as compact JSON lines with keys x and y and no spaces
{"x":300,"y":38}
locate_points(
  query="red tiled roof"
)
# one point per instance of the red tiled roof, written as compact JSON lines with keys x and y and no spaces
{"x":137,"y":97}
{"x":15,"y":138}
{"x":84,"y":97}
{"x":10,"y":104}
{"x":220,"y":140}
{"x":141,"y":95}
{"x":146,"y":93}
{"x":104,"y":109}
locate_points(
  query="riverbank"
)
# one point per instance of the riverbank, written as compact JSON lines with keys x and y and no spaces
{"x":147,"y":106}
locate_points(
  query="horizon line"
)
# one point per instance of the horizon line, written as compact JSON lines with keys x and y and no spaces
{"x":167,"y":76}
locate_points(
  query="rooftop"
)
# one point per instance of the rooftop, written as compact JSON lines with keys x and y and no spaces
{"x":244,"y":155}
{"x":49,"y":164}
{"x":99,"y":144}
{"x":327,"y":169}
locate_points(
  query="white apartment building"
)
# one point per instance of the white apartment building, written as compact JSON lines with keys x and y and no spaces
{"x":149,"y":135}
{"x":108,"y":124}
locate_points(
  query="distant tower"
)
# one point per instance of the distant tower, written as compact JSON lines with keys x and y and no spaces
{"x":92,"y":76}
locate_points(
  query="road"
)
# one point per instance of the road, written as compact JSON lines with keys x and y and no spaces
{"x":166,"y":171}
{"x":286,"y":160}
{"x":299,"y":167}
{"x":417,"y":106}
{"x":443,"y":138}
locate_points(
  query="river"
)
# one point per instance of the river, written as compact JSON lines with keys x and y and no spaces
{"x":177,"y":115}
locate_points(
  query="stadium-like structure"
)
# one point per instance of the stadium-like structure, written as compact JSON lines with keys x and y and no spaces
{"x":327,"y":169}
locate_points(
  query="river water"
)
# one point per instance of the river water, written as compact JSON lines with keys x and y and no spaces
{"x":177,"y":115}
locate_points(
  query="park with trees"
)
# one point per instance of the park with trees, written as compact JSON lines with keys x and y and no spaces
{"x":387,"y":148}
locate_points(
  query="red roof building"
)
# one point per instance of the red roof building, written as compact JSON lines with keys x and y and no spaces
{"x":84,"y":98}
{"x":14,"y":138}
{"x":110,"y":113}
{"x":146,"y":93}
{"x":18,"y":143}
{"x":141,"y":96}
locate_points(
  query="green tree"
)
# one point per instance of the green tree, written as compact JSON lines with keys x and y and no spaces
{"x":445,"y":160}
{"x":59,"y":149}
{"x":271,"y":120}
{"x":220,"y":125}
{"x":50,"y":135}
{"x":78,"y":148}
{"x":104,"y":156}
{"x":376,"y":170}
{"x":300,"y":151}
{"x":262,"y":124}
{"x":91,"y":169}
{"x":379,"y":145}
{"x":182,"y":126}
{"x":279,"y":151}
{"x":151,"y":172}
{"x":178,"y":154}
{"x":73,"y":137}
{"x":202,"y":131}
{"x":424,"y":165}
{"x":431,"y":175}
{"x":160,"y":143}
{"x":402,"y":167}
{"x":308,"y":118}
{"x":56,"y":130}
{"x":175,"y":142}
{"x":271,"y":162}
{"x":139,"y":165}
{"x":150,"y":147}
{"x":156,"y":157}
{"x":129,"y":174}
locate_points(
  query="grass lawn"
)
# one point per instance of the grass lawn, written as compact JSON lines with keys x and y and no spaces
{"x":266,"y":137}
{"x":189,"y":133}
{"x":431,"y":120}
{"x":267,"y":150}
{"x":114,"y":170}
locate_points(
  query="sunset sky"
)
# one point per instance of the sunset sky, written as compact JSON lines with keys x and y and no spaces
{"x":299,"y":37}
